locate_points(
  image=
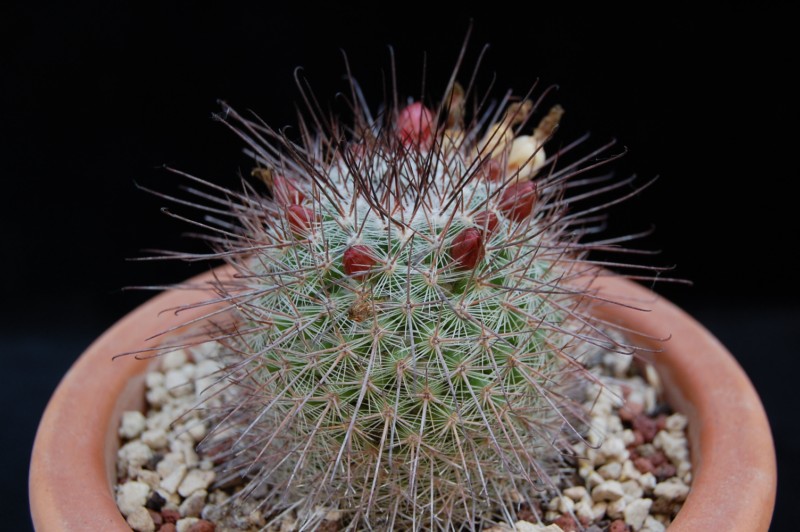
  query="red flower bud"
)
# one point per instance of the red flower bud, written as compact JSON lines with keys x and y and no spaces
{"x":467,"y":248}
{"x":358,"y":260}
{"x":285,"y":191}
{"x":517,"y":200}
{"x":414,"y":124}
{"x":301,"y":219}
{"x":491,"y":170}
{"x":486,"y":221}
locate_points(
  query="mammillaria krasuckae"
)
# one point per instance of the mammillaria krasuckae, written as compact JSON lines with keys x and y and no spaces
{"x":411,"y":310}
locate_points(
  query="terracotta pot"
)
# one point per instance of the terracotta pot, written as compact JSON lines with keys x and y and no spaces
{"x":72,"y":468}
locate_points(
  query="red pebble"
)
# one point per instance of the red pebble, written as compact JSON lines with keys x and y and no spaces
{"x":646,"y":425}
{"x":661,"y":421}
{"x":415,"y":124}
{"x":517,"y":200}
{"x":358,"y":260}
{"x":486,"y":220}
{"x":618,"y":526}
{"x":286,"y":191}
{"x":567,"y":523}
{"x":170,"y":516}
{"x":643,"y":465}
{"x":202,"y":526}
{"x":169,"y":527}
{"x":630,"y":410}
{"x":300,"y":219}
{"x":467,"y":248}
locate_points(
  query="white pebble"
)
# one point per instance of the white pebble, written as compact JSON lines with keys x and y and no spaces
{"x":594,"y":479}
{"x":676,"y":423}
{"x":174,"y":359}
{"x":610,"y":471}
{"x":193,"y":505}
{"x":599,"y":510}
{"x":154,"y":379}
{"x":198,"y":431}
{"x":614,"y":509}
{"x":155,"y":438}
{"x":647,"y":481}
{"x":141,"y":521}
{"x":131,"y":495}
{"x":575,"y":493}
{"x":134,"y":454}
{"x":584,"y":511}
{"x":614,"y":449}
{"x":671,"y":489}
{"x":133,"y":423}
{"x":183,"y":525}
{"x":674,"y":446}
{"x":629,"y":471}
{"x":158,"y":396}
{"x":150,"y":478}
{"x":653,"y":378}
{"x":632,"y":490}
{"x":628,"y":437}
{"x":617,"y":363}
{"x":171,"y":482}
{"x":636,"y":512}
{"x":524,"y":526}
{"x":610,"y":490}
{"x":196,"y":480}
{"x":169,"y":463}
{"x":653,"y":525}
{"x":177,"y":383}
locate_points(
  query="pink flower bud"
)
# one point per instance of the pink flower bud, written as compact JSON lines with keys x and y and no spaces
{"x":301,"y":219}
{"x":285,"y":191}
{"x":358,"y":260}
{"x":486,"y":220}
{"x":414,"y":125}
{"x":517,"y":200}
{"x":467,"y":248}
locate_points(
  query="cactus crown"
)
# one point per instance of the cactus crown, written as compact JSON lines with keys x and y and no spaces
{"x":410,"y":314}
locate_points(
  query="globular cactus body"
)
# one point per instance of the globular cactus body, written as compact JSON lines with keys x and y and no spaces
{"x":410,"y":320}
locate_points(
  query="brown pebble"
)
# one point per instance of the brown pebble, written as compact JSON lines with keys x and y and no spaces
{"x":329,"y":526}
{"x":643,"y":465}
{"x":156,"y":517}
{"x":646,"y":426}
{"x":170,"y":516}
{"x":526,"y":513}
{"x":665,"y":471}
{"x":202,"y":526}
{"x":168,"y":527}
{"x":658,"y":458}
{"x":663,"y":506}
{"x":567,"y":523}
{"x":661,"y":421}
{"x":618,"y":526}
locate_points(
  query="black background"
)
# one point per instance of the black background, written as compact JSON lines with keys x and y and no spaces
{"x":95,"y":98}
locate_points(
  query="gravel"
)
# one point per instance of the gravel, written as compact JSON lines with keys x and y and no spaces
{"x":632,"y":474}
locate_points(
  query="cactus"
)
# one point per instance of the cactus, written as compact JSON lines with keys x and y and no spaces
{"x":411,"y":314}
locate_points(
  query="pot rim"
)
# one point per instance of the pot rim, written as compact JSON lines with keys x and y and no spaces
{"x":72,"y":464}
